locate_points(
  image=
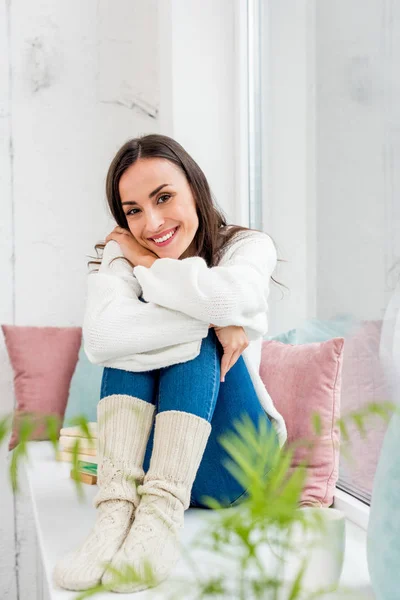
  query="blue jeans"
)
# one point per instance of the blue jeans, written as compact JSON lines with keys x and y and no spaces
{"x":194,"y":386}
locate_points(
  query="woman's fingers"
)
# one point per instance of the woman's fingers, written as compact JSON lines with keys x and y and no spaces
{"x":227,"y":361}
{"x":117,"y":231}
{"x":233,"y":341}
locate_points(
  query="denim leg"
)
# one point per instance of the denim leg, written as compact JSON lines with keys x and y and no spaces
{"x":191,"y":386}
{"x":194,"y":386}
{"x":236,"y":398}
{"x":143,"y":385}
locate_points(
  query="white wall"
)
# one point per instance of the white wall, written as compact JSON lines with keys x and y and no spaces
{"x":77,"y":81}
{"x":8,"y":579}
{"x":72,"y":92}
{"x":198,"y":91}
{"x":289,"y":151}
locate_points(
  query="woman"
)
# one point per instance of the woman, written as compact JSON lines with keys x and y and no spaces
{"x":176,"y":315}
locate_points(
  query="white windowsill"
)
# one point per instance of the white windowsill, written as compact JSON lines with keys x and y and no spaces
{"x":61,"y":521}
{"x":355,"y":511}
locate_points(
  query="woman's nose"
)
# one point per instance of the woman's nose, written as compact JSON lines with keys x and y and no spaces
{"x":154,"y":223}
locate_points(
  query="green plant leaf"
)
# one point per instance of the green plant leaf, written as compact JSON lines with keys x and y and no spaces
{"x":317,"y":423}
{"x":296,"y":587}
{"x":5,"y":427}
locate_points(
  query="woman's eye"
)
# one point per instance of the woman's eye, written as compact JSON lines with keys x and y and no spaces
{"x":130,"y":212}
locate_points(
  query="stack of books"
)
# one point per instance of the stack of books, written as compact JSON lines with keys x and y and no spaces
{"x":87,"y":451}
{"x":87,"y":473}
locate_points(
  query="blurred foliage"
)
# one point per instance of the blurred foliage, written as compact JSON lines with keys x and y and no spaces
{"x":265,"y":518}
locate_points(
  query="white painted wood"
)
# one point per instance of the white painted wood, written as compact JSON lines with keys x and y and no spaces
{"x":8,"y":563}
{"x":197,"y":39}
{"x":80,"y":87}
{"x":78,"y":91}
{"x":27,"y":549}
{"x":72,"y":93}
{"x":289,"y":155}
{"x":43,"y":586}
{"x":8,"y":576}
{"x":241,"y":114}
{"x":53,"y":493}
{"x":355,"y":511}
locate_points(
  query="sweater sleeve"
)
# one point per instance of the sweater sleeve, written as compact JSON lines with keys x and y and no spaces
{"x":234,"y":293}
{"x":117,"y":324}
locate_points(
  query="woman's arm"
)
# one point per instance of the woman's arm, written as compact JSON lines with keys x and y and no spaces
{"x":234,"y":293}
{"x":117,"y":324}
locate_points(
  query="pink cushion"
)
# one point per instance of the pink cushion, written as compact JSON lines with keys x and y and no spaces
{"x":302,"y":380}
{"x":363,"y":381}
{"x":43,"y":360}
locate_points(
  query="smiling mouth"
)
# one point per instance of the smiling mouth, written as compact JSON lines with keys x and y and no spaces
{"x":166,"y":241}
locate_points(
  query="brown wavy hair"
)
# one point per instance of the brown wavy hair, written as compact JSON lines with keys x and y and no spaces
{"x":213,"y":234}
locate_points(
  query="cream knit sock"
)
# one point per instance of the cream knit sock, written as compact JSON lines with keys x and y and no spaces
{"x":124,"y":424}
{"x":179,"y":442}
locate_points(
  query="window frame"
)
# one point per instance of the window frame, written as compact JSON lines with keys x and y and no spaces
{"x":253,"y":123}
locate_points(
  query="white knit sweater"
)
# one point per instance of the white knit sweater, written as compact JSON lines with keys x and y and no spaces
{"x":182,"y":298}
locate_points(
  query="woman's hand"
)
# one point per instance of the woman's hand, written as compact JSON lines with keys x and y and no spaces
{"x":233,"y":341}
{"x":131,"y":249}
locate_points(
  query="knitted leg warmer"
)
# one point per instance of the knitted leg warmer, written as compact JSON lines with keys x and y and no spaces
{"x":179,"y":442}
{"x":124,"y":424}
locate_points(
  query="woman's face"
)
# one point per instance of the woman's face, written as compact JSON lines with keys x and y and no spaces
{"x":156,"y":198}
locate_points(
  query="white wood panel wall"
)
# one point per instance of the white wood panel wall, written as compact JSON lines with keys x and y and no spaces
{"x":289,"y":167}
{"x":76,"y":81}
{"x":8,"y":579}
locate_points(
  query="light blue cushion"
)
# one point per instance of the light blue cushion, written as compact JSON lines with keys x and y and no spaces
{"x":319,"y":330}
{"x":288,"y":337}
{"x":84,"y":391}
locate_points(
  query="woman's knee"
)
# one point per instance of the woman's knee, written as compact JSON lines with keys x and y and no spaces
{"x":138,"y":384}
{"x":208,"y":358}
{"x":192,"y":386}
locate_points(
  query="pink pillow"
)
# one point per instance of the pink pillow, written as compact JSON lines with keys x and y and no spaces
{"x":302,"y":380}
{"x":43,"y":360}
{"x":363,"y":381}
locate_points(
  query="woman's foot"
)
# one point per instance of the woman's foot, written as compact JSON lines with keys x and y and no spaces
{"x":124,"y":424}
{"x":152,"y":547}
{"x":84,"y":567}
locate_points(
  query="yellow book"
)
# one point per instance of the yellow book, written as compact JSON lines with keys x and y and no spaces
{"x":77,"y":431}
{"x":65,"y":456}
{"x":85,"y":477}
{"x":67,"y":442}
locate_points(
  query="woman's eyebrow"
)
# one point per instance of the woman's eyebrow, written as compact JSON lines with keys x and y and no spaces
{"x":153,"y":193}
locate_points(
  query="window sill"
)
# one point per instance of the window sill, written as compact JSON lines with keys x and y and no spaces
{"x":355,"y":510}
{"x":61,"y":521}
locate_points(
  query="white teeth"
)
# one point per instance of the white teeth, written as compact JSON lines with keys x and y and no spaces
{"x":165,"y":238}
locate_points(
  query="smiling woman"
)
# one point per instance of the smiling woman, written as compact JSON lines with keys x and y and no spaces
{"x":153,"y":187}
{"x":203,"y":315}
{"x":159,"y":209}
{"x":134,"y":252}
